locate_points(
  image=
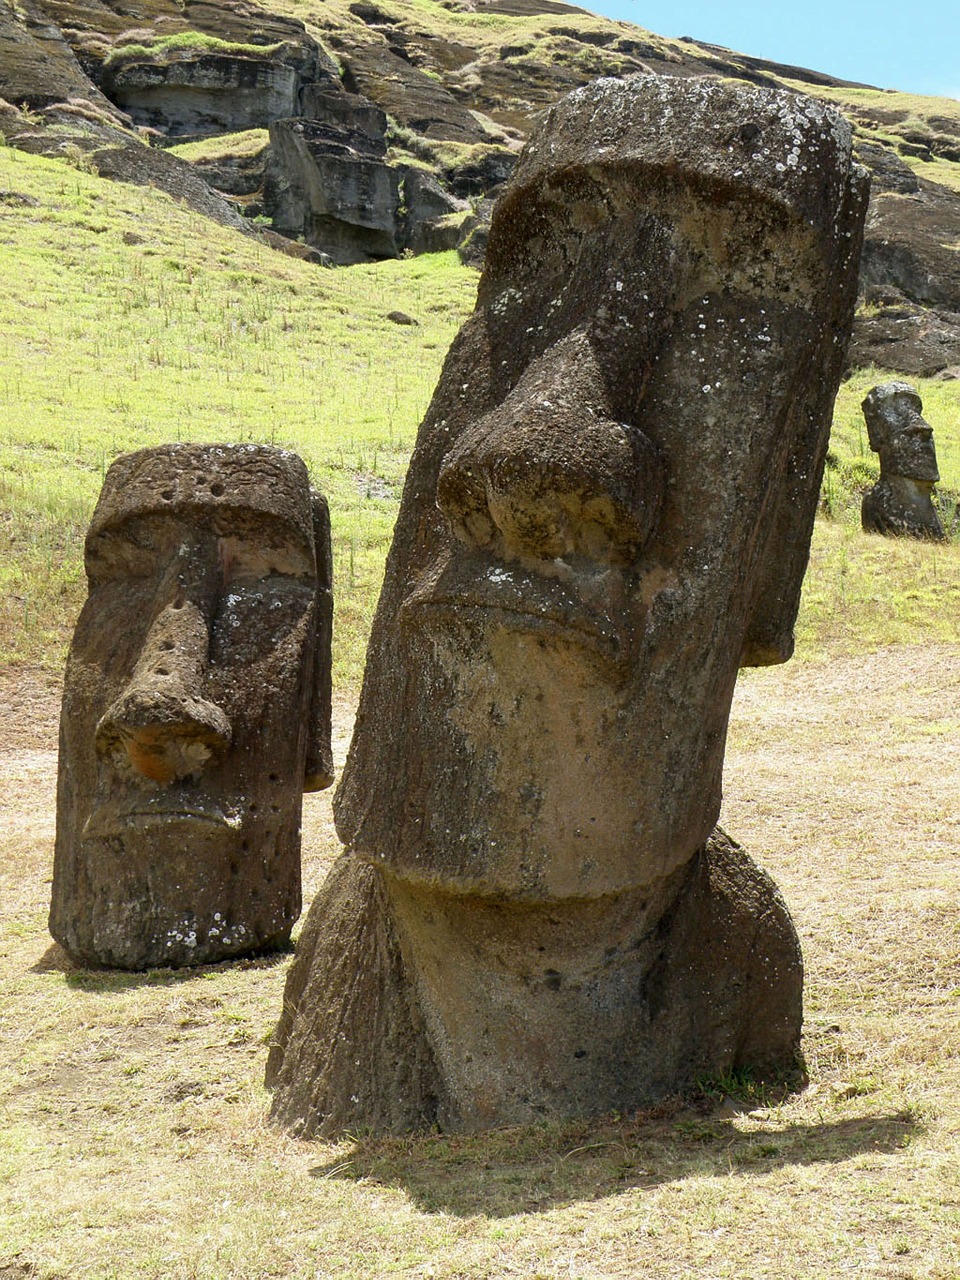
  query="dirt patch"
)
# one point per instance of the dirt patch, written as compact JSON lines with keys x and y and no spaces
{"x":30,"y":703}
{"x":135,"y":1114}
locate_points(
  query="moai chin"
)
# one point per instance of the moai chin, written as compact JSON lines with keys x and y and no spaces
{"x":607,"y":513}
{"x":901,"y":502}
{"x":196,"y":708}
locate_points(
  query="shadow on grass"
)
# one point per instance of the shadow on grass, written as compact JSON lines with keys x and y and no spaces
{"x":82,"y":978}
{"x":533,"y":1170}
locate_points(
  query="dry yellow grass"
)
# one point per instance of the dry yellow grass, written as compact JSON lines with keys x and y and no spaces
{"x":135,"y":1142}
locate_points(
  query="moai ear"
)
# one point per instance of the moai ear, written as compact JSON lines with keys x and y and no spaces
{"x":769,"y":637}
{"x":318,"y":767}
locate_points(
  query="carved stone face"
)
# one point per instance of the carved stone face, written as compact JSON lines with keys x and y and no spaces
{"x":608,"y":510}
{"x":196,"y":708}
{"x":899,"y":433}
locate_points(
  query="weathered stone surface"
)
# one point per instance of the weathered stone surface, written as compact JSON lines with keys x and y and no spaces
{"x":917,"y":341}
{"x":433,"y":235}
{"x":908,"y":245}
{"x":37,"y":65}
{"x":333,"y":188}
{"x":407,"y":94}
{"x":207,"y":94}
{"x":901,"y":502}
{"x":196,"y":708}
{"x":426,"y":206}
{"x":887,"y":171}
{"x":607,"y":513}
{"x":475,"y":234}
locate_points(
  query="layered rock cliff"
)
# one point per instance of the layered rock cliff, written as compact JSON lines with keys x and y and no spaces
{"x":386,"y":126}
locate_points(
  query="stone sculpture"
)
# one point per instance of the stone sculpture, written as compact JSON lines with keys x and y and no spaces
{"x":901,"y":502}
{"x":196,"y":708}
{"x":608,"y":511}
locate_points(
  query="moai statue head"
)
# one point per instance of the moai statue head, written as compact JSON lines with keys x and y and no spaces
{"x":607,"y":513}
{"x":196,"y":708}
{"x":902,"y":500}
{"x":609,"y":507}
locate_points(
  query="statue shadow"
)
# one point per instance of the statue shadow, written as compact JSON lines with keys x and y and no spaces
{"x":95,"y":978}
{"x":537,"y":1169}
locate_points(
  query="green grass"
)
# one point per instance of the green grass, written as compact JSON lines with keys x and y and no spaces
{"x":127,"y":321}
{"x":223,"y":146}
{"x":186,"y":44}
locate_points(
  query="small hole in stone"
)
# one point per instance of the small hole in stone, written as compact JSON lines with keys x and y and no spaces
{"x":252,"y":808}
{"x":201,"y":479}
{"x":167,"y":495}
{"x":274,"y":808}
{"x":274,"y":777}
{"x":167,"y":645}
{"x":245,"y":845}
{"x":234,"y":868}
{"x":162,"y":671}
{"x":216,"y":489}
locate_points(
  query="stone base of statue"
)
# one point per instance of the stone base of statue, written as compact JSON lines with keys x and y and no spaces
{"x":408,"y":1009}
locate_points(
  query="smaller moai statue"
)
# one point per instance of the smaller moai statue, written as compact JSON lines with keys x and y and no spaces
{"x":196,"y":708}
{"x":901,"y":502}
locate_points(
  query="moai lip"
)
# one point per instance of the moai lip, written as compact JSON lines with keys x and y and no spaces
{"x":901,"y":502}
{"x":607,"y":513}
{"x":196,"y":708}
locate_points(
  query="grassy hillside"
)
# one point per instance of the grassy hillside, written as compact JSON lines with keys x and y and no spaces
{"x":126,"y":320}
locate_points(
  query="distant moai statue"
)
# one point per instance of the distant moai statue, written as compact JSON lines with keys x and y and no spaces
{"x":196,"y":708}
{"x":608,"y":512}
{"x":901,"y":502}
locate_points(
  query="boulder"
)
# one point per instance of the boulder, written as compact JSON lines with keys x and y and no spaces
{"x":427,"y":206}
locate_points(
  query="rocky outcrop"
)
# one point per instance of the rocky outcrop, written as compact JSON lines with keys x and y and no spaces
{"x":212,"y":93}
{"x":409,"y":96}
{"x":328,"y":183}
{"x":37,"y":65}
{"x":115,"y":153}
{"x":911,"y":246}
{"x":910,"y":278}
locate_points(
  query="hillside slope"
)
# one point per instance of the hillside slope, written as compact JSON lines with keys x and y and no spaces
{"x":365,"y":129}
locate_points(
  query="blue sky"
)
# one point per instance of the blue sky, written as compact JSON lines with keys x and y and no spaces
{"x":914,"y":46}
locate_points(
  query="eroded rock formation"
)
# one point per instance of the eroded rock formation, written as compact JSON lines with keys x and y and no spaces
{"x":196,"y":708}
{"x":607,"y":513}
{"x":901,"y":502}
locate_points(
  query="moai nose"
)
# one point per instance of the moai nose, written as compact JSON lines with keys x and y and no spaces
{"x":550,"y":474}
{"x":160,"y":727}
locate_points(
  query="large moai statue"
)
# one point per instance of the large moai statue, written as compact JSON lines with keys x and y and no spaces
{"x":196,"y":708}
{"x":901,"y":502}
{"x":607,"y":513}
